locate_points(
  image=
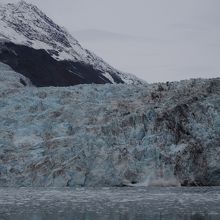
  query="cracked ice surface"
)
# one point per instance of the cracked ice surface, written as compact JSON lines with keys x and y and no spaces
{"x":109,"y":135}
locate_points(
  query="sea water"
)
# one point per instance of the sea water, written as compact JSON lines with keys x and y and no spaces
{"x":127,"y":203}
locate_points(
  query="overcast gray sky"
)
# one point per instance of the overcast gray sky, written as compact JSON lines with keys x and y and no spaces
{"x":157,"y":40}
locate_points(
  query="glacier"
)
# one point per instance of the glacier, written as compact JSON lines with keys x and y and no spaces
{"x":165,"y":134}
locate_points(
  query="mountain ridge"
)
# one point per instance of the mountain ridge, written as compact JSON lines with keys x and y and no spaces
{"x":23,"y":24}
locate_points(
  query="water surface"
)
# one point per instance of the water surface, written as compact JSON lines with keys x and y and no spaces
{"x":110,"y":203}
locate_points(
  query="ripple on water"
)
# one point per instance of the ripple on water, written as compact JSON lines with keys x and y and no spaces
{"x":110,"y":203}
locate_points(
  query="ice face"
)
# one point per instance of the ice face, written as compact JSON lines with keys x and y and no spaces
{"x":109,"y":135}
{"x":9,"y":79}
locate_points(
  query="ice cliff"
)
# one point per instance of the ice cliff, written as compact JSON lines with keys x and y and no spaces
{"x":109,"y":135}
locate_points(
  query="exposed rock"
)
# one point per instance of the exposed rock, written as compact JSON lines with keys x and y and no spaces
{"x":109,"y":135}
{"x":33,"y":45}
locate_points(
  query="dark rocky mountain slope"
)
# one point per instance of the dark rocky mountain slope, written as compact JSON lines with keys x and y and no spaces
{"x":33,"y":45}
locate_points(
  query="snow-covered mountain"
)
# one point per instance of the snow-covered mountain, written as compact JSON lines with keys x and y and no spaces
{"x":32,"y":44}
